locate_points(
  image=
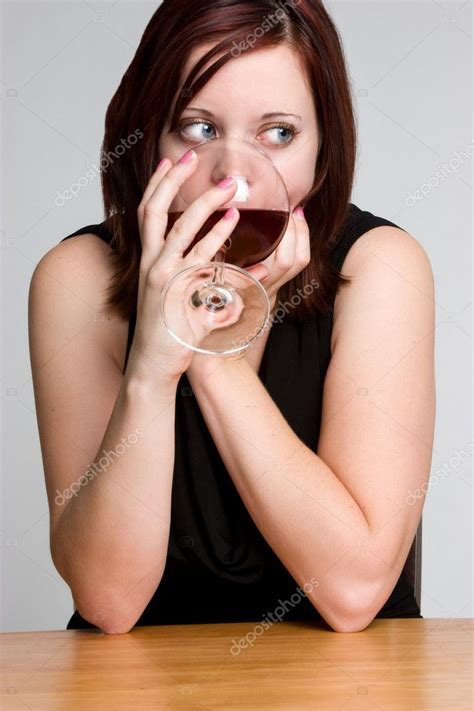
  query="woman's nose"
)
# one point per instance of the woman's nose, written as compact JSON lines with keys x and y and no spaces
{"x":233,"y":158}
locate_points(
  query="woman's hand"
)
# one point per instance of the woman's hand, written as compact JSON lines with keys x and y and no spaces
{"x":154,"y":351}
{"x":291,"y":256}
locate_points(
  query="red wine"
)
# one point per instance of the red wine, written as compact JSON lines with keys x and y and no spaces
{"x":256,"y":235}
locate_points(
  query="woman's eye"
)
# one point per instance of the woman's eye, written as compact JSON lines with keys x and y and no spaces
{"x":194,"y":130}
{"x":282,"y":135}
{"x":203,"y":130}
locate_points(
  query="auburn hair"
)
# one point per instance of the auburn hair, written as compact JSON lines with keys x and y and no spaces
{"x":150,"y":90}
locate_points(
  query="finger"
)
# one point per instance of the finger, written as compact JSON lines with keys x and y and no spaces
{"x":153,"y":212}
{"x":278,"y":270}
{"x":303,"y":246}
{"x":162,"y":168}
{"x":301,"y":255}
{"x":260,"y":271}
{"x":206,"y":249}
{"x":185,"y":229}
{"x":285,"y":252}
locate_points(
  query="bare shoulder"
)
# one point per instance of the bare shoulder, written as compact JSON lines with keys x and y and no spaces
{"x":83,"y":255}
{"x":71,"y":280}
{"x":384,"y":264}
{"x":384,"y":244}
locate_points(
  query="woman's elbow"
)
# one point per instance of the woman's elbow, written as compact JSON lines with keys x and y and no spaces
{"x":346,"y":615}
{"x":352,"y":624}
{"x":116,"y":626}
{"x":111,"y":618}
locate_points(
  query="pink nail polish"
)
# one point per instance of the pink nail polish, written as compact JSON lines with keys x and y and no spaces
{"x":187,"y":157}
{"x":299,"y":213}
{"x":226,"y":183}
{"x":162,"y":163}
{"x":230,"y":213}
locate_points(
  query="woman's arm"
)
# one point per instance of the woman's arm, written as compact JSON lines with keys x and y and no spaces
{"x":107,"y":440}
{"x":342,"y":515}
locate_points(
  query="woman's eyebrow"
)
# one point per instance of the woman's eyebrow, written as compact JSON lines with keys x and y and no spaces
{"x":273,"y":114}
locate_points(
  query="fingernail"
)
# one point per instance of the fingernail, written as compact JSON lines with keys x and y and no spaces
{"x":229,"y":215}
{"x":187,"y":157}
{"x":299,"y":213}
{"x":226,"y":183}
{"x":162,"y":163}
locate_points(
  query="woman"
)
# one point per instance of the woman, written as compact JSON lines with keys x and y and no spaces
{"x":188,"y":488}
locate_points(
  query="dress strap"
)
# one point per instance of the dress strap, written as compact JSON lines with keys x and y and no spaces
{"x":99,"y":229}
{"x":358,"y":223}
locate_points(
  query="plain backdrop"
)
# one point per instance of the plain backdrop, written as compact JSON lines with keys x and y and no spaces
{"x":411,"y":70}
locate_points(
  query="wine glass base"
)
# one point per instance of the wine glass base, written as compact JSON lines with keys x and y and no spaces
{"x":215,"y":318}
{"x":214,"y":297}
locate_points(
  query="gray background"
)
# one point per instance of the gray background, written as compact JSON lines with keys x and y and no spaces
{"x":410,"y":65}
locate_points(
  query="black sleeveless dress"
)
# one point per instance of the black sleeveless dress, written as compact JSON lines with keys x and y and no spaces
{"x":219,"y":567}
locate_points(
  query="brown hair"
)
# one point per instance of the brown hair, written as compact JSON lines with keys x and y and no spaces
{"x":151,"y":84}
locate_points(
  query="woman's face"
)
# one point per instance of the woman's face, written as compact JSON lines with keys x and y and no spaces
{"x":233,"y":103}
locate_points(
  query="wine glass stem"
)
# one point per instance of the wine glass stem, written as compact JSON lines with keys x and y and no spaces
{"x":218,"y":275}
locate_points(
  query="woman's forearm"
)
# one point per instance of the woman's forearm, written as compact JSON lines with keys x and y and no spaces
{"x":111,"y":540}
{"x":302,"y":509}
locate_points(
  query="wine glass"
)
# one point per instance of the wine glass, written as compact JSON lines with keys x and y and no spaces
{"x":225,"y":307}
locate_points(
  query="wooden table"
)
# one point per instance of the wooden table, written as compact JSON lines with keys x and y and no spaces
{"x":393,"y":665}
